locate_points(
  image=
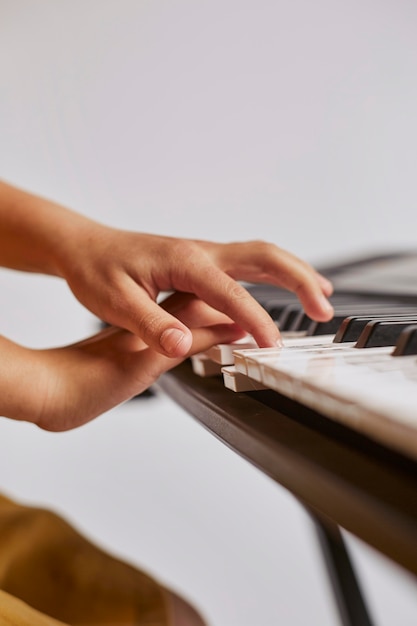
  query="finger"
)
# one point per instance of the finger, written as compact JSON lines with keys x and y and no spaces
{"x":264,"y":262}
{"x":192,"y":311}
{"x":325,"y":284}
{"x":165,"y":326}
{"x":260,"y":260}
{"x":149,"y":364}
{"x":93,"y":376}
{"x":205,"y":338}
{"x":118,"y":339}
{"x":187,"y":308}
{"x":135,"y":311}
{"x":226,"y":295}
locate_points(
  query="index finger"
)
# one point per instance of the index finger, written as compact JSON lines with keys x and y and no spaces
{"x":259,"y":262}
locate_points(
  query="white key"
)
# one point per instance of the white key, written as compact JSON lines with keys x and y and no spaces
{"x":308,"y":377}
{"x":236,"y":381}
{"x":242,"y":358}
{"x":382,"y":405}
{"x":205,"y":367}
{"x":249,"y":361}
{"x":222,"y":353}
{"x":366,"y":389}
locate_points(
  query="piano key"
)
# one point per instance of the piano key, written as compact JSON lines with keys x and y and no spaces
{"x":238,"y":382}
{"x":342,"y":307}
{"x":357,"y":388}
{"x":382,"y":332}
{"x":242,"y":357}
{"x":275,"y":299}
{"x":348,"y":309}
{"x":326,"y":328}
{"x":378,"y":392}
{"x":223,"y":353}
{"x":264,"y":292}
{"x":358,"y":403}
{"x":287,"y":316}
{"x":319,"y":363}
{"x":352,"y":326}
{"x":407,"y":342}
{"x":284,"y":374}
{"x":276,"y":306}
{"x":246,"y":359}
{"x":204,"y":367}
{"x":336,"y":388}
{"x":372,"y":390}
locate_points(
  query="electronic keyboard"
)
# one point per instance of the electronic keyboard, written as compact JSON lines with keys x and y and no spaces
{"x":358,"y":369}
{"x":331,"y":417}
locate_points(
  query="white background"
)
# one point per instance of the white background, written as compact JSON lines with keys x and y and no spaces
{"x":288,"y":121}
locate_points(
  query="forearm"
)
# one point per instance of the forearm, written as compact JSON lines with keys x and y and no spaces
{"x":62,"y":388}
{"x":21,"y":381}
{"x":35,"y":232}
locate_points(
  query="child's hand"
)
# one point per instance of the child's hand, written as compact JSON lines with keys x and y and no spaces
{"x":67,"y":387}
{"x":118,"y":275}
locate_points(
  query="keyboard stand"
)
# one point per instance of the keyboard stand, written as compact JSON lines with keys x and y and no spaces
{"x":343,"y":579}
{"x":343,"y":478}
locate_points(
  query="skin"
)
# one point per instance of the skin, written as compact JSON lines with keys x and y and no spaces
{"x":118,"y":275}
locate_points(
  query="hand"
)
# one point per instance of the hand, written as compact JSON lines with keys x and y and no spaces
{"x":69,"y":386}
{"x":118,"y":276}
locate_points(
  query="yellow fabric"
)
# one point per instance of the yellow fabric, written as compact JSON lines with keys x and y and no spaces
{"x":52,"y":576}
{"x":14,"y":612}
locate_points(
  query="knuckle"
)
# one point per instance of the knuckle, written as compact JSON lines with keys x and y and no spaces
{"x":261,"y":246}
{"x":236,"y":292}
{"x":267,"y":252}
{"x":114,"y":298}
{"x":184,"y":249}
{"x":303,"y":278}
{"x":182,"y":257}
{"x":260,"y":254}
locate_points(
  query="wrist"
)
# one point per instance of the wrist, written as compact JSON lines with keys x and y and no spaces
{"x":34,"y":231}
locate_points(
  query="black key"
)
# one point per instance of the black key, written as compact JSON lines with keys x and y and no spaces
{"x":288,"y":315}
{"x":275,"y":307}
{"x":342,"y":304}
{"x":332,"y":326}
{"x":301,"y":322}
{"x":342,"y":311}
{"x":264,"y":290}
{"x":352,"y":326}
{"x":325,"y":328}
{"x":380,"y":333}
{"x":407,"y":342}
{"x":265,"y":294}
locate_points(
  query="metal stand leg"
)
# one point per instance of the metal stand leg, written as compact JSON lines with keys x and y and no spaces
{"x":346,"y":588}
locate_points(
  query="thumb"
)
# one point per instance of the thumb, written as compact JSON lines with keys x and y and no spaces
{"x":160,"y":330}
{"x":174,"y":341}
{"x":146,"y":365}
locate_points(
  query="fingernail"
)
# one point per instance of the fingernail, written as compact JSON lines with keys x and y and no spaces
{"x":171,"y":340}
{"x":279,"y":343}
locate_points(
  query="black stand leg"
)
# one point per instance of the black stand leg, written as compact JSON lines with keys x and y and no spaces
{"x":346,"y":588}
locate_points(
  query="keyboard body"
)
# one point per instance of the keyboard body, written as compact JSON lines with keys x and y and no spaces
{"x":361,"y":480}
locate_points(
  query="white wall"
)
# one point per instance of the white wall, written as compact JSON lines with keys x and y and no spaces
{"x":292,"y":121}
{"x":288,"y":121}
